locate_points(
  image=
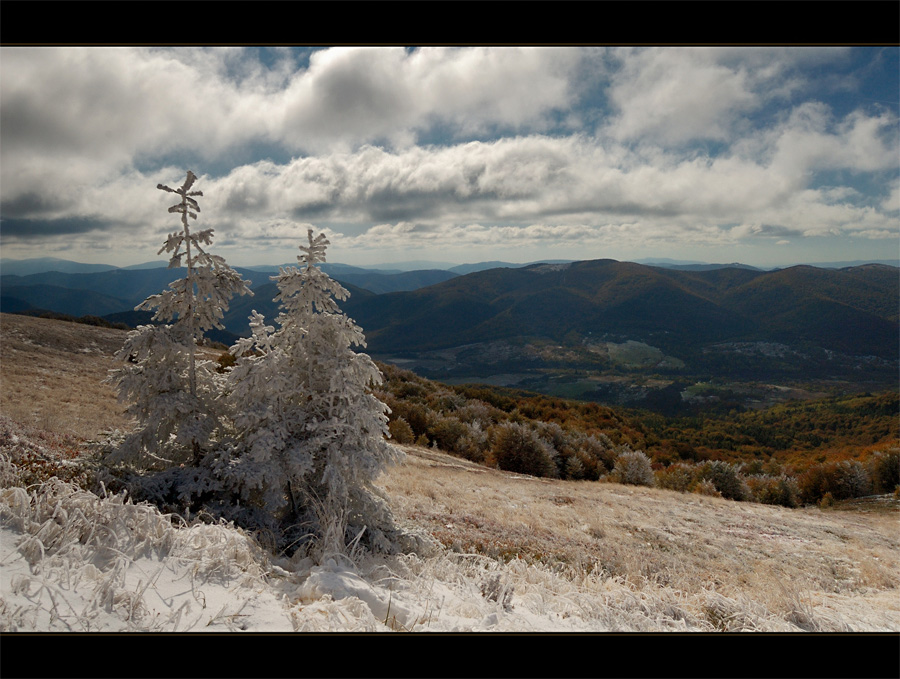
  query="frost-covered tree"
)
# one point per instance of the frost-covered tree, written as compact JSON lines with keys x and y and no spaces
{"x":309,"y":431}
{"x":173,"y":396}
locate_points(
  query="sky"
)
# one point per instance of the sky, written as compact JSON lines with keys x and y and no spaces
{"x":768,"y":156}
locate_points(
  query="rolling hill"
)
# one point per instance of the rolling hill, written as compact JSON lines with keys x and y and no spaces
{"x":642,"y":336}
{"x":850,"y":310}
{"x":512,"y":553}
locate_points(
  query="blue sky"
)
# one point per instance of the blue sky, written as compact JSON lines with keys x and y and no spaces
{"x":764,"y":155}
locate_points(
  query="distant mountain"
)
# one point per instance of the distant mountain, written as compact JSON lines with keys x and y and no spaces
{"x":463,"y":269}
{"x":56,"y":298}
{"x":24,"y":267}
{"x":147,"y":265}
{"x":705,"y":267}
{"x":681,"y":311}
{"x":399,"y":282}
{"x":130,"y":286}
{"x":851,"y":310}
{"x":665,"y":261}
{"x":687,"y":265}
{"x":857,"y":262}
{"x":417,"y":265}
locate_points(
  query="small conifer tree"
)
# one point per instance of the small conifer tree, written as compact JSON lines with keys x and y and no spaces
{"x":310,"y":433}
{"x":172,"y":396}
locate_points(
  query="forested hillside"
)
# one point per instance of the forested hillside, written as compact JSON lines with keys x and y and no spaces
{"x":790,"y":454}
{"x":677,"y":311}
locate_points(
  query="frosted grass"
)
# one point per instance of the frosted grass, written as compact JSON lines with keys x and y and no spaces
{"x":73,"y":561}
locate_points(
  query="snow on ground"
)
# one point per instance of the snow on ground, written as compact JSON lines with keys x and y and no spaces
{"x":72,"y":561}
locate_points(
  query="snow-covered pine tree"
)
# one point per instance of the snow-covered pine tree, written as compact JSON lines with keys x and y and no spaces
{"x":311,"y":433}
{"x":171,"y":394}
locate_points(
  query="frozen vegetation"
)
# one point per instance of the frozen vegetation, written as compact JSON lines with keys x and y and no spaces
{"x":615,"y":558}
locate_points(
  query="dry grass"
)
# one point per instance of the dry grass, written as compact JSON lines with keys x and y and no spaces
{"x":717,"y":560}
{"x":51,"y":373}
{"x":786,"y":560}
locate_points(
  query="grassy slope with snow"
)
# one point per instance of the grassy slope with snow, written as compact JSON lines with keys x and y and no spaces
{"x":519,"y":554}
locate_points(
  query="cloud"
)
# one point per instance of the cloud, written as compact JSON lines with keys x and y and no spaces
{"x":695,"y":145}
{"x":357,"y":95}
{"x":677,"y":95}
{"x":811,"y":140}
{"x":892,"y":202}
{"x":74,"y":116}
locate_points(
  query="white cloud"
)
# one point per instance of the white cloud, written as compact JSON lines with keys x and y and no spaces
{"x":85,"y":132}
{"x":355,"y":95}
{"x":72,"y":116}
{"x":811,"y":140}
{"x":675,"y":95}
{"x":892,"y":202}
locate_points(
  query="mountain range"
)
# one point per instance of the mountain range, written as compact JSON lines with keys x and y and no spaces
{"x":695,"y":320}
{"x":852,"y":310}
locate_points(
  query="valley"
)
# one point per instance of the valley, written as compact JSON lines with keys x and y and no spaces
{"x":633,"y":374}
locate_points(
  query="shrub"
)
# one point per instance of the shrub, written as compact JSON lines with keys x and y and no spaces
{"x":885,"y":470}
{"x":706,"y":487}
{"x":633,"y":467}
{"x":853,"y":480}
{"x":680,"y":476}
{"x":827,"y":500}
{"x":575,"y":468}
{"x":726,"y":477}
{"x":446,"y":432}
{"x":518,"y":448}
{"x":416,"y":415}
{"x":774,"y":490}
{"x":446,"y":401}
{"x":400,"y":431}
{"x":478,"y":411}
{"x":562,"y":441}
{"x":816,"y":482}
{"x":599,"y":452}
{"x":473,"y":445}
{"x":842,"y":480}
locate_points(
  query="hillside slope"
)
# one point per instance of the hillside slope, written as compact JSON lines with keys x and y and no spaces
{"x":516,"y":553}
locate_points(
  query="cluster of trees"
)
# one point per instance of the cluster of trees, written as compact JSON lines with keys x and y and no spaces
{"x":427,"y":413}
{"x":798,"y":433}
{"x":551,"y":437}
{"x":289,"y":440}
